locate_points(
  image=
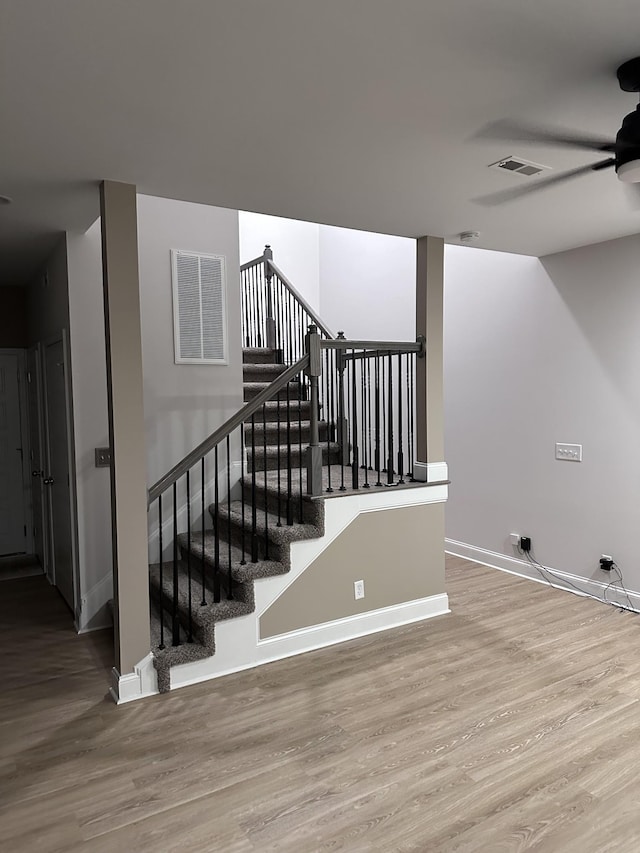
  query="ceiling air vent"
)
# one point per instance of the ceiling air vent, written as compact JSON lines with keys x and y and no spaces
{"x":519,"y":166}
{"x":199,"y":308}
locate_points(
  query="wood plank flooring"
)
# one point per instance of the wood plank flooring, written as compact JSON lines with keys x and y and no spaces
{"x":511,"y":724}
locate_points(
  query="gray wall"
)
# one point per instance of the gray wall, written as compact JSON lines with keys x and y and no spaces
{"x":91,"y":429}
{"x":13,"y":317}
{"x":48,"y":298}
{"x":183,"y":403}
{"x":538,"y":352}
{"x":399,"y":553}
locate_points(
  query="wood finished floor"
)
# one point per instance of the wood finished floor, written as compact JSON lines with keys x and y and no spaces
{"x":511,"y":724}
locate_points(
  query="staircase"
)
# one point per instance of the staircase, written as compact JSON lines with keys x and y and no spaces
{"x":317,"y":407}
{"x":280,"y":521}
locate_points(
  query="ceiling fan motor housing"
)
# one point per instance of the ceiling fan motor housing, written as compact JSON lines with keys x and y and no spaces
{"x":628,"y":148}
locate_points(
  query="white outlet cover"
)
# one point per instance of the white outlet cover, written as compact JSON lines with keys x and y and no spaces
{"x":358,"y":589}
{"x":569,"y":452}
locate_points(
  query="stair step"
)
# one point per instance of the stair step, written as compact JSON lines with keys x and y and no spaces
{"x":262,"y":372}
{"x":272,"y":541}
{"x":260,"y":355}
{"x":280,"y":408}
{"x":272,"y":496}
{"x":277,"y":456}
{"x":241,"y":573}
{"x":278,"y":434}
{"x":297,"y":392}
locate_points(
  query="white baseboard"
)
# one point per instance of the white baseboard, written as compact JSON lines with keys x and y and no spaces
{"x":143,"y":681}
{"x":311,"y":639}
{"x":524,"y":569}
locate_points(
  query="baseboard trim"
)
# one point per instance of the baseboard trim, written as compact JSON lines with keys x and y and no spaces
{"x":317,"y":637}
{"x":524,"y":569}
{"x":134,"y":685}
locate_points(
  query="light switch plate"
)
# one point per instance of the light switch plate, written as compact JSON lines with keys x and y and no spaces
{"x":569,"y":452}
{"x":103,"y":457}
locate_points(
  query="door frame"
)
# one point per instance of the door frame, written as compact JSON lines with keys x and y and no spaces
{"x":73,"y":504}
{"x":37,"y":383}
{"x":25,"y":441}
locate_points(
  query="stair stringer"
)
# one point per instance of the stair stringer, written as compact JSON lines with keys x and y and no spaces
{"x":238,"y":642}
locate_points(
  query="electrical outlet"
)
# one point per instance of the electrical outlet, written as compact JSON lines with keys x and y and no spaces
{"x":358,"y":589}
{"x":606,"y":562}
{"x":514,"y":538}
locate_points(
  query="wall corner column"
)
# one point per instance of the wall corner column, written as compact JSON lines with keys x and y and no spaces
{"x":429,"y":370}
{"x":126,"y":423}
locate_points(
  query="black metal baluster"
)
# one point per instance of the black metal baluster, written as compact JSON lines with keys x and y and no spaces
{"x":383,"y":386}
{"x":161,"y":646}
{"x":301,"y":388}
{"x":289,"y":473}
{"x":243,"y":451}
{"x":264,"y":474}
{"x":202,"y":500}
{"x":340,"y":356}
{"x":256,"y":310}
{"x":230,"y":577}
{"x":175,"y":624}
{"x":254,"y":511}
{"x":355,"y":461}
{"x":329,"y":413}
{"x":390,"y":469}
{"x":412,"y":368}
{"x":190,"y":635}
{"x":290,"y":328}
{"x":400,"y":427}
{"x":279,"y":440}
{"x":366,"y":419}
{"x":216,"y":531}
{"x":378,"y":448}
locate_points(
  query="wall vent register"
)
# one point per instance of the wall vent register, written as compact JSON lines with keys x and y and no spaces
{"x":199,"y":307}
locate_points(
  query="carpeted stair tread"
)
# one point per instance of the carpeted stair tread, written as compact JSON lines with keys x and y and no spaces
{"x":240,"y":573}
{"x":298,"y":410}
{"x":259,"y":355}
{"x":262,"y":372}
{"x":272,"y":459}
{"x":268,"y":527}
{"x":170,"y":655}
{"x":296,"y":430}
{"x":203,"y":616}
{"x":296,"y":392}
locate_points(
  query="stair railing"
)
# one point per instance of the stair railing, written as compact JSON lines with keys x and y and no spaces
{"x":274,"y":314}
{"x":365,"y":393}
{"x":222,"y":476}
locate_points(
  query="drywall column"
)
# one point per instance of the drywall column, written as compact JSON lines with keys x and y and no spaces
{"x":429,"y":322}
{"x":126,"y":423}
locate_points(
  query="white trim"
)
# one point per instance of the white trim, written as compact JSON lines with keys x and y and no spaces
{"x":430,"y":472}
{"x":313,"y":638}
{"x":143,"y":681}
{"x":524,"y":569}
{"x":92,"y":602}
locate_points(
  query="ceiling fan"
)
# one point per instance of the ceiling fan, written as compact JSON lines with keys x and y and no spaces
{"x":624,"y":151}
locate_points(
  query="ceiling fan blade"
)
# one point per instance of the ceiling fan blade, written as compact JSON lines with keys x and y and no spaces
{"x":632,"y":192}
{"x":514,"y":193}
{"x":508,"y":131}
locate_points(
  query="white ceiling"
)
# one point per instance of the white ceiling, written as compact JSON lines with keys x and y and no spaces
{"x":360,"y":113}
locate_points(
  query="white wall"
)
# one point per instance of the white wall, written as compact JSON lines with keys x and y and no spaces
{"x":538,"y":352}
{"x":295,"y":247}
{"x":183,"y":403}
{"x":367,"y":284}
{"x":91,"y":426}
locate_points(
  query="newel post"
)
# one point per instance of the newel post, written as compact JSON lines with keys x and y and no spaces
{"x":268,"y":279}
{"x":314,"y":372}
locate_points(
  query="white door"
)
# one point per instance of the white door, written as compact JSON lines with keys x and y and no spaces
{"x":56,"y":479}
{"x":36,"y":455}
{"x":13,"y":531}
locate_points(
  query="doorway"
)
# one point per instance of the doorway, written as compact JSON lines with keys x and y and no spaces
{"x":59,"y":498}
{"x":13,"y":505}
